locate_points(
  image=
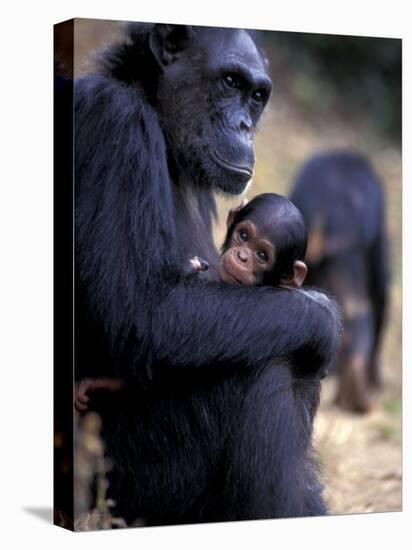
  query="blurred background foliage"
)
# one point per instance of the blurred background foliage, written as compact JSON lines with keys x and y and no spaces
{"x":354,"y":76}
{"x":330,"y":92}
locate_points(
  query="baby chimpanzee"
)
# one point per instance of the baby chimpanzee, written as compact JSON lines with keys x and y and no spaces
{"x":265,"y":244}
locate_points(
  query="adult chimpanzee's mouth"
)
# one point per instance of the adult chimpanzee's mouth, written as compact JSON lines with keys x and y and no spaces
{"x":241,"y":170}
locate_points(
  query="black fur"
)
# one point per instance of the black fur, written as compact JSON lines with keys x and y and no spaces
{"x":211,"y":426}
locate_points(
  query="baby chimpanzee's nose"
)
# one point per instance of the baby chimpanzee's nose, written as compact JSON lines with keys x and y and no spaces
{"x":242,"y":255}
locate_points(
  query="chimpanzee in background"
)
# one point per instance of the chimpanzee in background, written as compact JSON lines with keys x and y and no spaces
{"x":342,"y":201}
{"x":212,"y":424}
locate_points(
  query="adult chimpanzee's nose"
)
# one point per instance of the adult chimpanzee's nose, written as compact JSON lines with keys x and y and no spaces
{"x":242,"y":255}
{"x":246,"y":126}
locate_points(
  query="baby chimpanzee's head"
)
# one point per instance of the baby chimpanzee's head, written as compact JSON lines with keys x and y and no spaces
{"x":265,"y":244}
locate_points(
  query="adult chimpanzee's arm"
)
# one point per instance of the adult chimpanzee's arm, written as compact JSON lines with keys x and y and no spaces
{"x":196,"y":324}
{"x":126,"y":254}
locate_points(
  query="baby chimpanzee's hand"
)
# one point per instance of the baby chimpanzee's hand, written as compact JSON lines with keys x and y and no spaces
{"x":86,"y":387}
{"x":198,"y":264}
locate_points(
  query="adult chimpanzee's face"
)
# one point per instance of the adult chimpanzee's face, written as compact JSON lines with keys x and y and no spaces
{"x":212,"y":91}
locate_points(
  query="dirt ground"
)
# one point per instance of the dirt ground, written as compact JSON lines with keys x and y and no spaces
{"x":361,"y":459}
{"x":361,"y":455}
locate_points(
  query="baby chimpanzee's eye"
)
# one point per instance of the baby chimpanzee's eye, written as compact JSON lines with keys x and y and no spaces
{"x":263,"y":257}
{"x":243,"y":235}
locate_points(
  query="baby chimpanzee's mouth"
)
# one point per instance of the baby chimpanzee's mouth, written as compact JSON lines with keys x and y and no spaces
{"x":234,"y":279}
{"x":228,"y":277}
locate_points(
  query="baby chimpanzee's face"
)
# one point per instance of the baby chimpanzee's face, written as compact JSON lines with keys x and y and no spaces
{"x":248,"y":255}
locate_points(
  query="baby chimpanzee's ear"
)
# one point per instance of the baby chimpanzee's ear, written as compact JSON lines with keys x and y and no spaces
{"x":233,"y":212}
{"x":299,"y":274}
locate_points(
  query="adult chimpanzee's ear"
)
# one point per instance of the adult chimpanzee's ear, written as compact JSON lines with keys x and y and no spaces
{"x":168,"y":41}
{"x":233,"y":212}
{"x":299,"y":274}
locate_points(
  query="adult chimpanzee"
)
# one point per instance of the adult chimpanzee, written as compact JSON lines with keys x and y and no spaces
{"x":342,"y":202}
{"x":212,"y":424}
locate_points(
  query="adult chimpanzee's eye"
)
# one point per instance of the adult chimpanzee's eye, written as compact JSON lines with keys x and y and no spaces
{"x":259,"y":96}
{"x":263,"y":257}
{"x":232,"y":81}
{"x":243,"y":235}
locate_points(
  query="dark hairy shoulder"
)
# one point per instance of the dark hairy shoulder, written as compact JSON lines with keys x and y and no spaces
{"x":124,"y":210}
